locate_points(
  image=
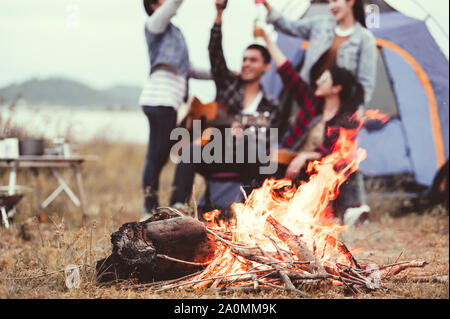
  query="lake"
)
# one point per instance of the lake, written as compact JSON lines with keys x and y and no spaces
{"x":81,"y":124}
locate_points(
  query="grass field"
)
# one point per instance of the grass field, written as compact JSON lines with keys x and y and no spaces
{"x":33,"y":255}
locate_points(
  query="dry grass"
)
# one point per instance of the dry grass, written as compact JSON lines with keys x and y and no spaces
{"x":31,"y":267}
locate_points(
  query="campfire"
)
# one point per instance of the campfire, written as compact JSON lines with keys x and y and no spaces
{"x":282,"y":237}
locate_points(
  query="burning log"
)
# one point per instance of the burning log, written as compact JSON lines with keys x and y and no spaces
{"x":161,"y":248}
{"x":297,"y":246}
{"x":165,"y":248}
{"x":266,"y":270}
{"x":343,"y":249}
{"x":283,"y":275}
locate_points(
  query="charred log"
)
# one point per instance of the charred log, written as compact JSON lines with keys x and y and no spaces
{"x":161,"y":248}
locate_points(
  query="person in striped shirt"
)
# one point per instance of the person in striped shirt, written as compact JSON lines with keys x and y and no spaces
{"x":164,"y":91}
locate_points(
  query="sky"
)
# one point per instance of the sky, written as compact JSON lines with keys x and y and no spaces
{"x":102,"y":43}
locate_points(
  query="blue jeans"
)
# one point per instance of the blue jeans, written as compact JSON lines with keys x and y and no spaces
{"x":162,"y":121}
{"x":352,"y":193}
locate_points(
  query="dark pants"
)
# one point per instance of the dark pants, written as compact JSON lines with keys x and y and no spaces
{"x":162,"y":121}
{"x":185,"y":174}
{"x":352,"y":193}
{"x":182,"y":183}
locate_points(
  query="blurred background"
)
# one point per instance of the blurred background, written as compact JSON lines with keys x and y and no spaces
{"x":84,"y":55}
{"x":92,"y":54}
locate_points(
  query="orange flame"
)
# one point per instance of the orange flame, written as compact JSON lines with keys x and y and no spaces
{"x":304,"y":210}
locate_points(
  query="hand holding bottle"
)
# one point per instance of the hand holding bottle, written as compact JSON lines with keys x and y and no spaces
{"x":221,"y":4}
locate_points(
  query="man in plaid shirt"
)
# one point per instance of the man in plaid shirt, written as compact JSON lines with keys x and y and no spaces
{"x":236,"y":94}
{"x":240,"y":93}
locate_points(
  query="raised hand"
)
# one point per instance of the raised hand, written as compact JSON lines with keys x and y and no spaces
{"x":268,"y":6}
{"x":299,"y":162}
{"x":221,"y":4}
{"x":259,"y":32}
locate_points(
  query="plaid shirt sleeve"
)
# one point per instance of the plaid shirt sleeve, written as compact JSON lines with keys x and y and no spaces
{"x":309,"y":108}
{"x":304,"y":96}
{"x":220,"y":72}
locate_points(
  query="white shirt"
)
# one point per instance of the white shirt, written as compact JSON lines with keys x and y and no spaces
{"x":163,"y":88}
{"x":344,"y":33}
{"x":253,"y":107}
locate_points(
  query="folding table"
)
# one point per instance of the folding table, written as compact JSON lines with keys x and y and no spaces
{"x":54,"y":164}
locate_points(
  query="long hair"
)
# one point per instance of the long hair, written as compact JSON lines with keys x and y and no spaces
{"x":352,"y":93}
{"x":147,"y":7}
{"x":359,"y":12}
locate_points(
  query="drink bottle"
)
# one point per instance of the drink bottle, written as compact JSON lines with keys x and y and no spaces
{"x":223,"y":5}
{"x":260,"y":19}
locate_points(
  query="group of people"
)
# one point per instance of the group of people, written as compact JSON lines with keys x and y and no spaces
{"x":336,"y":79}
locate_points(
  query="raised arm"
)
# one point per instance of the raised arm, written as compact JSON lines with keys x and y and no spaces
{"x":300,"y":90}
{"x":200,"y":73}
{"x":300,"y":28}
{"x":219,"y":68}
{"x":367,"y":70}
{"x":157,"y":23}
{"x":277,"y":55}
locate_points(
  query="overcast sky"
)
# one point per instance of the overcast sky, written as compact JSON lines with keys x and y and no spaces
{"x":41,"y":38}
{"x":101,"y":42}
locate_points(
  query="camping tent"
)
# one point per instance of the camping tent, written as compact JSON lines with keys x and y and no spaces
{"x":433,"y":13}
{"x":412,"y":88}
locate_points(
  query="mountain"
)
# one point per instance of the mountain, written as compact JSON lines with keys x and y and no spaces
{"x":124,"y":94}
{"x":66,"y":92}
